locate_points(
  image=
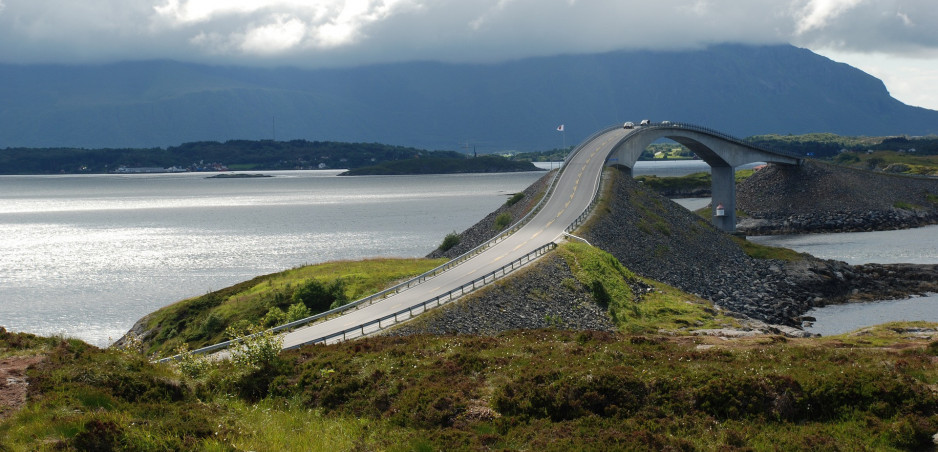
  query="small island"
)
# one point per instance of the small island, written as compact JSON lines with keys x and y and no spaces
{"x":237,"y":176}
{"x":444,"y":165}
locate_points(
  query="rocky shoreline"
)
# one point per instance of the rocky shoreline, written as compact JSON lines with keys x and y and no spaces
{"x":821,"y":197}
{"x":659,"y":239}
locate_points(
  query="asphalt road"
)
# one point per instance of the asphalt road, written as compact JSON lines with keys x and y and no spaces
{"x":572,"y":195}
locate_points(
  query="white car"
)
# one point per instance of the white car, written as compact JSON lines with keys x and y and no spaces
{"x":645,"y":122}
{"x":628,"y":125}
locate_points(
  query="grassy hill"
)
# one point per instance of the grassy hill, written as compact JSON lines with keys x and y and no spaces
{"x":531,"y":390}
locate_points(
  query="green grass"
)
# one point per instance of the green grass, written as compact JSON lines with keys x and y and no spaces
{"x":924,"y":165}
{"x":905,"y":205}
{"x":530,"y":390}
{"x":202,"y":320}
{"x":689,"y":182}
{"x":658,"y":307}
{"x":767,"y":252}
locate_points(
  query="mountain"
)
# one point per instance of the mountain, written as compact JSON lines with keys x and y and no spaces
{"x":741,"y":90}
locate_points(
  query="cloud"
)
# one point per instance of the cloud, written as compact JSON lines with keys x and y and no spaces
{"x":347,"y":32}
{"x":818,"y":13}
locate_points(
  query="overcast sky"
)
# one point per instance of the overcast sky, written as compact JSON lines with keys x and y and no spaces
{"x":895,"y":40}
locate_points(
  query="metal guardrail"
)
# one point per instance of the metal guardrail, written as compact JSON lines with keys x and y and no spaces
{"x":366,"y":301}
{"x":718,"y":134}
{"x":371,"y":299}
{"x":419,"y":308}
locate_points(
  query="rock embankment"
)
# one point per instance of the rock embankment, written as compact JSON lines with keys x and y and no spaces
{"x":820,"y":197}
{"x":657,"y":238}
{"x":661,"y":240}
{"x":485,"y":229}
{"x":534,"y":297}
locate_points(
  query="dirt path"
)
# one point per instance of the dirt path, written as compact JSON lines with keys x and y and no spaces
{"x":13,"y":382}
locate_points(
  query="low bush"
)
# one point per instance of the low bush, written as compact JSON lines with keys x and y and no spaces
{"x":452,"y":239}
{"x":502,"y":221}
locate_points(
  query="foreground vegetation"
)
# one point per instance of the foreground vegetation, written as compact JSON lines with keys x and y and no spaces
{"x":654,"y":386}
{"x":523,"y":390}
{"x":272,"y":300}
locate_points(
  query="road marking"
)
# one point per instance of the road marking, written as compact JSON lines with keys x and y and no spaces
{"x":538,"y":233}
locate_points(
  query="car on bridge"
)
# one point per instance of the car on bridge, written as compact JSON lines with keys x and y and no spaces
{"x":628,"y":125}
{"x":645,"y":122}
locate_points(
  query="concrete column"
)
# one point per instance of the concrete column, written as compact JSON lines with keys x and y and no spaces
{"x":724,"y":193}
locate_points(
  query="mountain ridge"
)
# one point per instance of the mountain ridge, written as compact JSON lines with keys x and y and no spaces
{"x":515,"y":105}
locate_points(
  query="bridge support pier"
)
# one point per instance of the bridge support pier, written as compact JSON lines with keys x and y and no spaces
{"x":723,"y":189}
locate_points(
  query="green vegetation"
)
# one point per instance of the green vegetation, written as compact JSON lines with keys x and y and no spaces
{"x":553,"y":155}
{"x":481,"y":164}
{"x":235,"y":154}
{"x":666,"y":151}
{"x":695,"y":181}
{"x":682,"y":185}
{"x":514,"y":199}
{"x":531,"y":390}
{"x":657,"y":307}
{"x":452,"y":239}
{"x":274,"y":299}
{"x":767,"y":252}
{"x":890,"y":161}
{"x":502,"y":221}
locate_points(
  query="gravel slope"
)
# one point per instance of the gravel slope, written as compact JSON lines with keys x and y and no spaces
{"x":821,"y":197}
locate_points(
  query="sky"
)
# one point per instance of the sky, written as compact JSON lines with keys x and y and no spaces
{"x":894,"y":40}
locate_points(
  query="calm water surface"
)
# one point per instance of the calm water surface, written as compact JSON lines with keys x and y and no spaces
{"x":914,"y":246}
{"x":86,"y":256}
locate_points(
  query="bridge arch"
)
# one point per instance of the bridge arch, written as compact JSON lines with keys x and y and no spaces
{"x":722,"y":152}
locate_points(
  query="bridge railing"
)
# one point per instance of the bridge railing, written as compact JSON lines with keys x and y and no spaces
{"x":721,"y":135}
{"x":371,"y":299}
{"x":419,"y":308}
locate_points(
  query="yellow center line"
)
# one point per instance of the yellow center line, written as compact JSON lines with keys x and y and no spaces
{"x":537,"y":233}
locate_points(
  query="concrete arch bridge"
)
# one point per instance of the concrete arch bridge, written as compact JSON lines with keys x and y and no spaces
{"x":722,"y":152}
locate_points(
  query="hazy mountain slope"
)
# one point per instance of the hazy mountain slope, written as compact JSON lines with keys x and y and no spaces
{"x":514,"y":105}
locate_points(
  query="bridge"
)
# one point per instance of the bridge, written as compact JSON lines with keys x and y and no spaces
{"x":570,"y":197}
{"x":722,"y":152}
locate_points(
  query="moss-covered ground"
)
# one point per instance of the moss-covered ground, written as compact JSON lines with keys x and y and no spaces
{"x":651,"y":387}
{"x":522,"y":390}
{"x":203,"y":320}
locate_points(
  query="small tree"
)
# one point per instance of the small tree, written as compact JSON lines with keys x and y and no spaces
{"x":451,"y":240}
{"x":296,"y":312}
{"x":319,"y":297}
{"x":502,"y":221}
{"x":514,"y":199}
{"x":190,"y":364}
{"x":257,"y":348}
{"x":275,"y":316}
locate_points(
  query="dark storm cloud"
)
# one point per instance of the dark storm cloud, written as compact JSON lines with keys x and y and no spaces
{"x":331,"y":32}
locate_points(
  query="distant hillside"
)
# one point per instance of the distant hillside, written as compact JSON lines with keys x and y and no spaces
{"x":517,"y":105}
